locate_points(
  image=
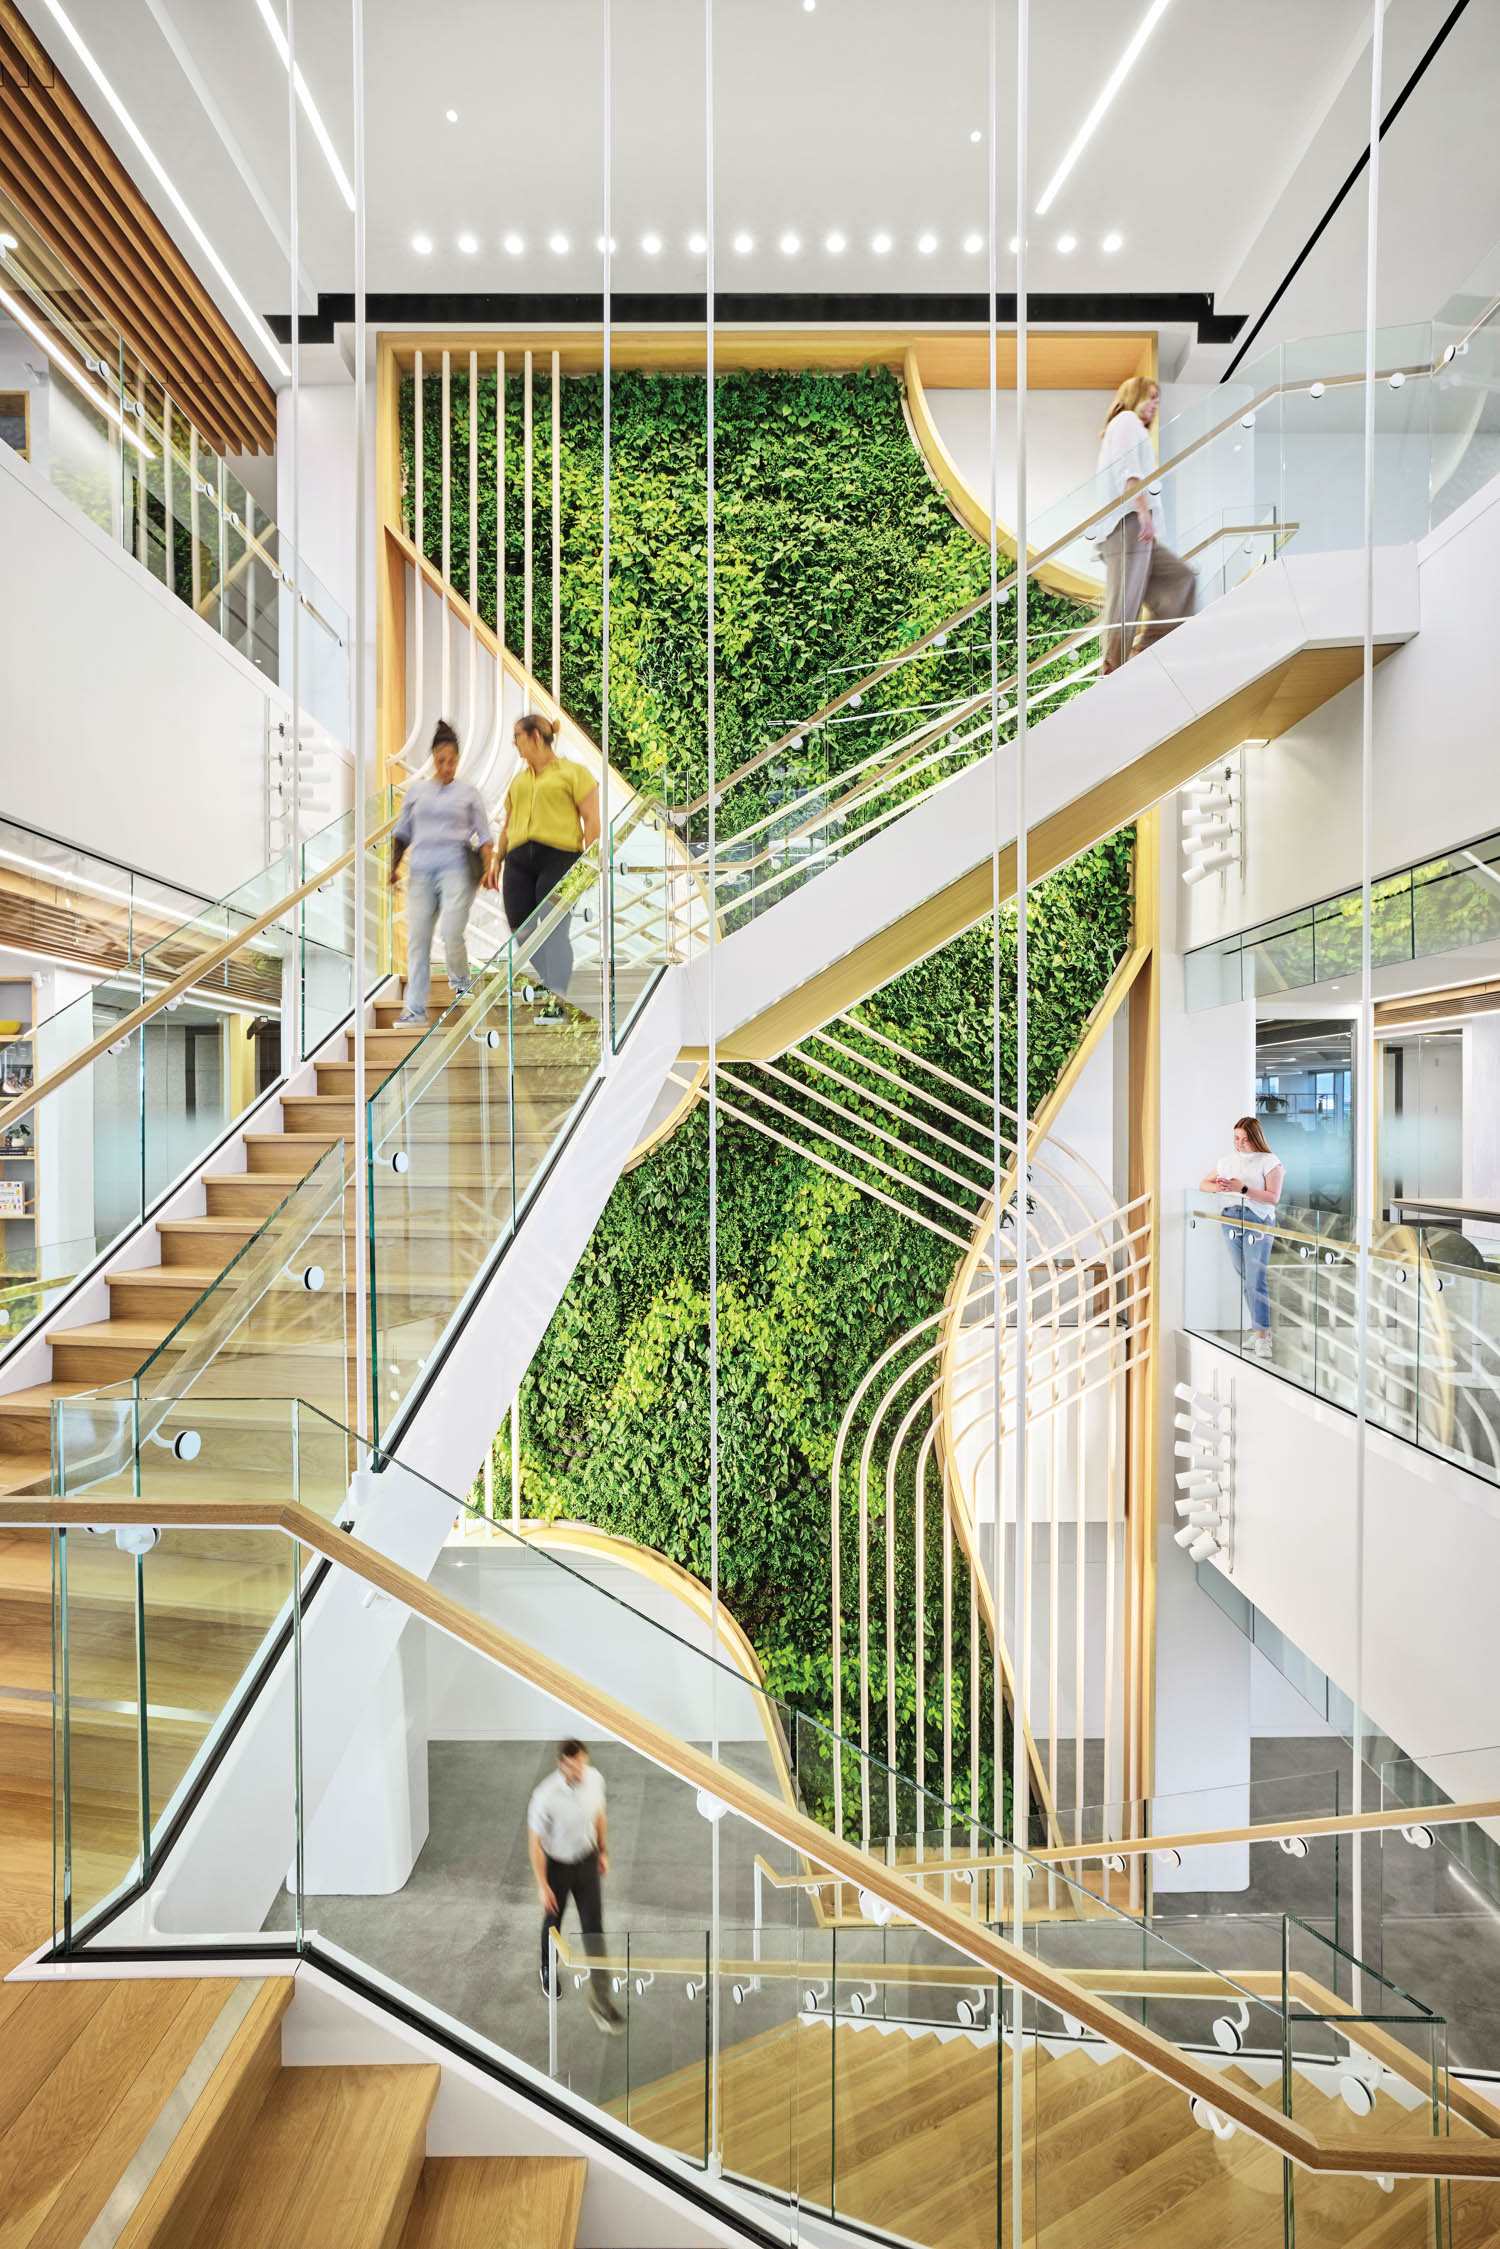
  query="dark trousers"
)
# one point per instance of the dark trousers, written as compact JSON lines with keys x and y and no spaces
{"x":531,"y":873}
{"x":577,"y":1879}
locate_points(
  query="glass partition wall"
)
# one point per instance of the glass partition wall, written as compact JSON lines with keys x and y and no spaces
{"x":736,"y":411}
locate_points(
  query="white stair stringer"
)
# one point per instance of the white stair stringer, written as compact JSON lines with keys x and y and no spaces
{"x":1111,"y":744}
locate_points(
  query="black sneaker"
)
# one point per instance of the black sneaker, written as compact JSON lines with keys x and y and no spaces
{"x":546,"y":1986}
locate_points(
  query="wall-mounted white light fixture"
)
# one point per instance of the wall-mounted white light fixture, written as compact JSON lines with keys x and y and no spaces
{"x":1213,"y":836}
{"x":1205,"y":1449}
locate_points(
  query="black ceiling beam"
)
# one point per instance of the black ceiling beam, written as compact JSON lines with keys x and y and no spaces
{"x":475,"y":308}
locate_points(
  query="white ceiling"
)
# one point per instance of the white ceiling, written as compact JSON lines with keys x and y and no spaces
{"x":1226,"y":145}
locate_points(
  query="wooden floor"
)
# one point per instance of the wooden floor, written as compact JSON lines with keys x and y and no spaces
{"x":902,"y":2133}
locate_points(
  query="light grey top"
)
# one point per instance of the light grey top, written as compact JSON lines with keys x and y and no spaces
{"x":438,"y":824}
{"x":564,"y":1817}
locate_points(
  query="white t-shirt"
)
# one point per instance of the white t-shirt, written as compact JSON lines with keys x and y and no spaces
{"x":1125,"y":457}
{"x":564,"y":1818}
{"x":1254,"y":1169}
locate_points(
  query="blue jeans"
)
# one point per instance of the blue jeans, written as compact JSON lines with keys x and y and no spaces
{"x":1250,"y":1252}
{"x":449,"y":892}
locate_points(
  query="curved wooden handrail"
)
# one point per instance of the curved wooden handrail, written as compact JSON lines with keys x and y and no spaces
{"x":995,"y":1955}
{"x":1040,"y":557}
{"x":180,"y":984}
{"x":1058,"y":577}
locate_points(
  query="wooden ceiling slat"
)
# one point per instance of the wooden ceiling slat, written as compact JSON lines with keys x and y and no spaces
{"x":31,"y":188}
{"x":161,"y":308}
{"x":139,"y":252}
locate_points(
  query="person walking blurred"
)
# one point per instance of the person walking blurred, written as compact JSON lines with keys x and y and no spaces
{"x":568,"y":1844}
{"x":551,"y":817}
{"x":445,"y":829}
{"x":1139,"y":572}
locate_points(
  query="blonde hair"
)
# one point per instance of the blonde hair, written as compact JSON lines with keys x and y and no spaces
{"x":1251,"y":1128}
{"x":1129,"y":395}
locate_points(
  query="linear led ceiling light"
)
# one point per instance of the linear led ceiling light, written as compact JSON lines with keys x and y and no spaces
{"x":310,"y":109}
{"x":1111,"y":87}
{"x":23,"y":319}
{"x":148,"y":154}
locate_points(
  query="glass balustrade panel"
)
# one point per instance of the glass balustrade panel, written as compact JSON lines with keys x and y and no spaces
{"x":94,"y":1725}
{"x":1367,"y":2064}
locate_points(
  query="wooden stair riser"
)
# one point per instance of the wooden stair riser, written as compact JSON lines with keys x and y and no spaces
{"x":202,"y":1242}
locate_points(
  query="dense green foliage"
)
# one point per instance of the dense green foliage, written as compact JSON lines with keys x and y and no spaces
{"x":832,"y":550}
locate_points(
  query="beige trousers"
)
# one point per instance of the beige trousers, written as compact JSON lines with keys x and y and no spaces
{"x":1141,"y":574}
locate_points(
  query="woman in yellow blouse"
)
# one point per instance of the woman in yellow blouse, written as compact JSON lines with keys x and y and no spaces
{"x":551,"y":815}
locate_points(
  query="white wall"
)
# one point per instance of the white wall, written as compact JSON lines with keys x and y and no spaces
{"x":1431,"y":1563}
{"x":127,"y":725}
{"x":1062,"y":442}
{"x":620,"y":1630}
{"x":1435,"y":701}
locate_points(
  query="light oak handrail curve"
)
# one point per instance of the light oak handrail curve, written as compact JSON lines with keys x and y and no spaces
{"x":1346,"y":2154}
{"x":207,"y":962}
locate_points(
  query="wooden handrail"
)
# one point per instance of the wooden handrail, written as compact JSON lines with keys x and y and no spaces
{"x":1039,"y":557}
{"x":180,"y":984}
{"x":1144,"y":1846}
{"x":996,"y":1956}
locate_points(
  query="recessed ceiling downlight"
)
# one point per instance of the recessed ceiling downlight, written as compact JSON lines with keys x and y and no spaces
{"x":973,"y":244}
{"x":835,"y":244}
{"x":880,"y":243}
{"x":651,"y":244}
{"x":422,"y":244}
{"x":789,"y":244}
{"x":513,"y":245}
{"x":1067,"y":244}
{"x":1111,"y":243}
{"x":558,"y":245}
{"x":743,"y":243}
{"x":927,"y":243}
{"x":468,"y":243}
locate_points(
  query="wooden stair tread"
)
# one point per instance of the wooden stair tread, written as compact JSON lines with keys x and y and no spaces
{"x":505,"y":2201}
{"x":24,"y":1472}
{"x":194,"y":2166}
{"x":85,"y":2070}
{"x":333,"y":2156}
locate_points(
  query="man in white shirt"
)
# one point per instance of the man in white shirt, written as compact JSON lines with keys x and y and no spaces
{"x":1139,"y":572}
{"x":567,"y":1838}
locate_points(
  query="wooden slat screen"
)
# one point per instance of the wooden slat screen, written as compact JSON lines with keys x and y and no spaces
{"x":66,"y":181}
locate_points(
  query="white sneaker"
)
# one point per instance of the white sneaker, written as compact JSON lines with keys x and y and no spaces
{"x":1258,"y":1346}
{"x":410,"y":1023}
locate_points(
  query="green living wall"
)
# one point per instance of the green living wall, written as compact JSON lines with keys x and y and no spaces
{"x":832,"y":550}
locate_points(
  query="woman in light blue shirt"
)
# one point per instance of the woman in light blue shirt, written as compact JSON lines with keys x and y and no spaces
{"x":446,"y":830}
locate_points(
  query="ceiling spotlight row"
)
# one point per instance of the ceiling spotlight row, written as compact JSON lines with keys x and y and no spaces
{"x":789,"y":243}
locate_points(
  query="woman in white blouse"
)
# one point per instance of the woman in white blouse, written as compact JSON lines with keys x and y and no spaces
{"x":1139,"y":572}
{"x":1252,"y":1178}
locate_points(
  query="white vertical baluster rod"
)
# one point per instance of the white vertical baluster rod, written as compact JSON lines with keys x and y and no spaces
{"x":557,"y":531}
{"x":526,"y":517}
{"x":361,"y":753}
{"x":473,"y":718}
{"x":500,"y":523}
{"x":446,"y":668}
